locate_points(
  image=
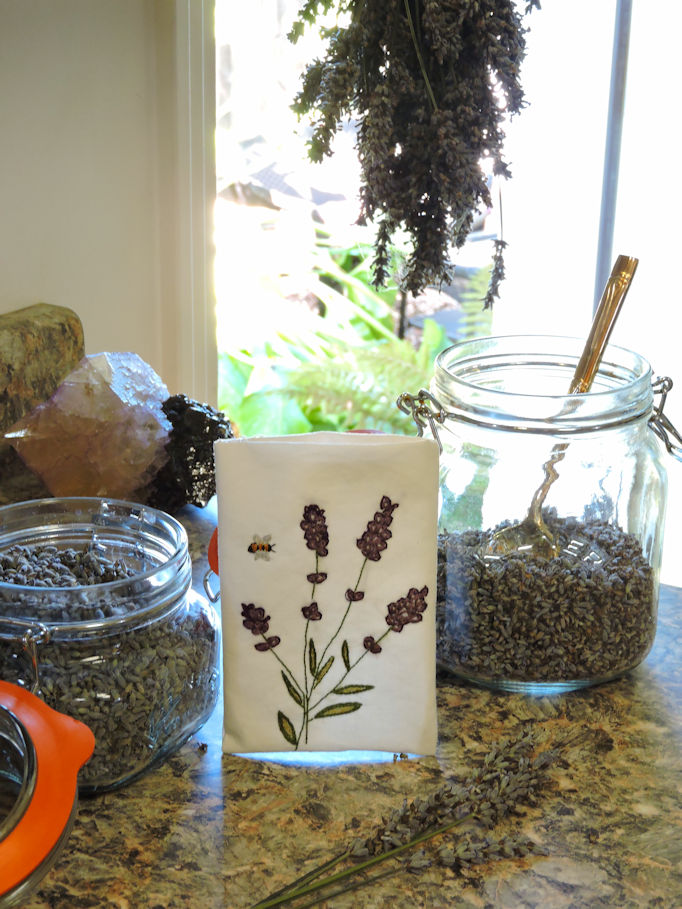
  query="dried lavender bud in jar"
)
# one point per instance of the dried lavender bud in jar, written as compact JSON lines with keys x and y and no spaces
{"x":527,"y":619}
{"x":140,"y":686}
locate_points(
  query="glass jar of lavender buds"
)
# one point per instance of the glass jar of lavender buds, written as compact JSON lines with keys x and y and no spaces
{"x":98,"y":617}
{"x":583,"y":472}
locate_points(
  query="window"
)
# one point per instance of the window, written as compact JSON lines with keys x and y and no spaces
{"x":551,"y":207}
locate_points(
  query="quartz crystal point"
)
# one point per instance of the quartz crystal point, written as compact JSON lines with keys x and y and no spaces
{"x":102,"y":433}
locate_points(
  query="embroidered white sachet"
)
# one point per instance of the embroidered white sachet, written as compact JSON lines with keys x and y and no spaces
{"x":327,"y":552}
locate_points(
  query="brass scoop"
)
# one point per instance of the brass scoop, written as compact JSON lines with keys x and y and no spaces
{"x":532,"y":534}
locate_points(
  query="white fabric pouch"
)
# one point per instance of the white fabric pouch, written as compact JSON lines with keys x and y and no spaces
{"x":327,"y":553}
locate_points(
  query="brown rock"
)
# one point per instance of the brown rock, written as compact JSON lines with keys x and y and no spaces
{"x":39,"y":346}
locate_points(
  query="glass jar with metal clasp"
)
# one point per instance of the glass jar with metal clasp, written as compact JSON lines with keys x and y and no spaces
{"x":98,"y":594}
{"x":509,"y":436}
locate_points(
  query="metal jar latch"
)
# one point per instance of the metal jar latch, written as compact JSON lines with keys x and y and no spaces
{"x":426,"y":410}
{"x":660,"y":423}
{"x":34,"y":634}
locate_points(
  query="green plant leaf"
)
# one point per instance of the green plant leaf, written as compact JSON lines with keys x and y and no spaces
{"x":233,"y":377}
{"x":323,"y":671}
{"x":312,"y":657}
{"x":434,"y":339}
{"x":338,"y":709}
{"x":269,"y":413}
{"x":345,"y":655}
{"x":291,"y":689}
{"x":352,"y":689}
{"x":286,"y":727}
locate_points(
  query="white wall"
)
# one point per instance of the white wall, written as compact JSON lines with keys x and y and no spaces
{"x":106,"y":176}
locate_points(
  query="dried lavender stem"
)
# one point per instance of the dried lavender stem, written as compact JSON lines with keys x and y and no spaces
{"x":356,"y":869}
{"x":349,"y":889}
{"x":420,"y":58}
{"x":310,"y":875}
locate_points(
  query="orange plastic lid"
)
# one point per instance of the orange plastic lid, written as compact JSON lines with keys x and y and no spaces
{"x":213,"y":552}
{"x":62,"y":745}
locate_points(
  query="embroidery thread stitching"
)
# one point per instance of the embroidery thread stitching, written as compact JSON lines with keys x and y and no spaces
{"x":303,"y":688}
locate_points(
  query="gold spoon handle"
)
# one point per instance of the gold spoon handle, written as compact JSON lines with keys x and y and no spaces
{"x":610,"y":304}
{"x":604,"y":319}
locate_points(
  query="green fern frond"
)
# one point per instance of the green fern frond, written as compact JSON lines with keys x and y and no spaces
{"x":359,"y":387}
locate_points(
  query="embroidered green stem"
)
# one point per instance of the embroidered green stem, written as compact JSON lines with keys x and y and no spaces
{"x":288,"y":671}
{"x":346,"y":673}
{"x":345,"y":615}
{"x":306,"y":708}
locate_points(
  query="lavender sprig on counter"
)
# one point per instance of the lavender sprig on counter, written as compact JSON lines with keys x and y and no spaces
{"x":512,"y":775}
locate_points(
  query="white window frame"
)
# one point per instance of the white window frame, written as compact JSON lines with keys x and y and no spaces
{"x":190,"y":347}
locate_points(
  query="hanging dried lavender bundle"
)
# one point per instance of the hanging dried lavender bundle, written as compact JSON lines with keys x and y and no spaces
{"x":496,"y":276}
{"x":429,"y":83}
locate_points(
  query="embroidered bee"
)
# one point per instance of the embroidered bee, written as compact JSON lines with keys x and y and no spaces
{"x":261,"y":547}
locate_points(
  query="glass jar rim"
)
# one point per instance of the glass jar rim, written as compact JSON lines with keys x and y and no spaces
{"x":14,"y":733}
{"x":21,"y":521}
{"x":470,"y":377}
{"x":59,"y":746}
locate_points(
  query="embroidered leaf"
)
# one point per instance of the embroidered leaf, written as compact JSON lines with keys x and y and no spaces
{"x":286,"y":727}
{"x":292,"y":690}
{"x":337,"y":709}
{"x":312,"y":657}
{"x":352,"y":689}
{"x":323,"y":671}
{"x":345,"y":655}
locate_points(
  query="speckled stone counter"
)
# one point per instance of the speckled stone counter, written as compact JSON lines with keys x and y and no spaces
{"x":210,"y":830}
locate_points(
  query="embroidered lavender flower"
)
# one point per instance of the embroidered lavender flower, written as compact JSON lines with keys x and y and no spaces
{"x":321,"y":687}
{"x":407,"y":610}
{"x":258,"y":623}
{"x":268,"y":644}
{"x":255,"y":618}
{"x":375,"y":539}
{"x":311,"y":612}
{"x":353,"y":596}
{"x":314,"y":527}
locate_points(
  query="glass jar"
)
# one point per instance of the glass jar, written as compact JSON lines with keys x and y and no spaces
{"x":584,"y":613}
{"x":132,"y":650}
{"x":41,"y":752}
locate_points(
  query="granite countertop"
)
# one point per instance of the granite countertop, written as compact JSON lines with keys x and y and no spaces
{"x":207,"y":830}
